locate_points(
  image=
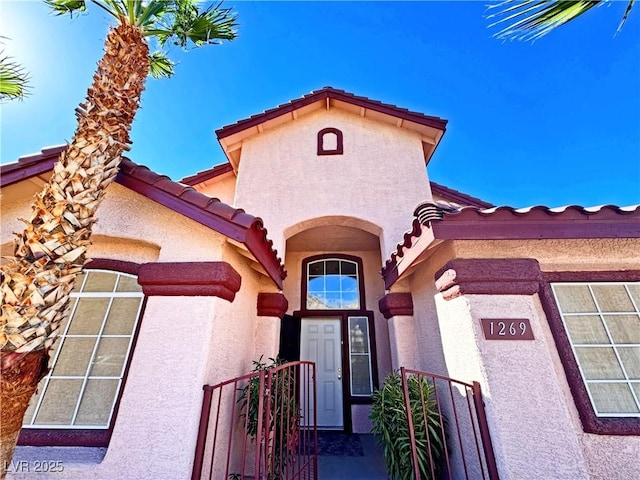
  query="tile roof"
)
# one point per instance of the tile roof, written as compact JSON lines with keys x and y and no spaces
{"x":337,"y":94}
{"x":232,"y":222}
{"x":458,"y":197}
{"x":208,"y":174}
{"x":508,"y":223}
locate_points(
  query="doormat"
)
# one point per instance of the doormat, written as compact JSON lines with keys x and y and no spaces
{"x":339,"y":444}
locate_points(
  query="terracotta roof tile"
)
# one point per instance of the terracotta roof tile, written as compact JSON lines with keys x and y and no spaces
{"x":208,"y":174}
{"x":330,"y":92}
{"x":211,"y":212}
{"x":458,"y":197}
{"x":506,"y":223}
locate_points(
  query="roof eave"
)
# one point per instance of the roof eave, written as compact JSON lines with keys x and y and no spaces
{"x":504,"y":223}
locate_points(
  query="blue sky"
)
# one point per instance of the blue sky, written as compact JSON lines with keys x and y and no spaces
{"x":555,"y":122}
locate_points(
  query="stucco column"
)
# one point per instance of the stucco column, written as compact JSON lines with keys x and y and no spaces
{"x":518,"y":375}
{"x":271,"y":308}
{"x":397,"y":308}
{"x":163,"y":391}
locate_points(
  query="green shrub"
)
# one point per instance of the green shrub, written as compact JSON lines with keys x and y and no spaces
{"x":389,"y":418}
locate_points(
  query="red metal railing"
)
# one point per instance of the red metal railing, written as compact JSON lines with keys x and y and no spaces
{"x":439,"y":407}
{"x":259,"y":426}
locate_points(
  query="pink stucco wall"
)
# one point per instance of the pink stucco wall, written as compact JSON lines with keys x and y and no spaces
{"x":222,"y":187}
{"x":534,"y":423}
{"x":183,"y":342}
{"x":380,"y":177}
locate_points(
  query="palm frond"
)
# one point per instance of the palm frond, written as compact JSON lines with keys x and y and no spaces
{"x":626,"y":15}
{"x":64,"y":7}
{"x":532,"y":19}
{"x":14,"y":81}
{"x":152,"y":12}
{"x":186,"y":24}
{"x":160,"y":66}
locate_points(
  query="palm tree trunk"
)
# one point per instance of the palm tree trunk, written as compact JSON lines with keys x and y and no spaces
{"x":51,"y":251}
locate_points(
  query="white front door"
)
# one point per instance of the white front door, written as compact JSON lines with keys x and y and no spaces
{"x":320,"y":342}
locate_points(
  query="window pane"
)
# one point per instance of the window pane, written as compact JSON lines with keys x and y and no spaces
{"x":359,"y":335}
{"x":613,"y":398}
{"x":74,"y":357}
{"x":630,"y":357}
{"x":59,"y":402}
{"x":128,"y":284}
{"x":78,"y":283}
{"x":348,"y":268}
{"x":636,"y":389}
{"x":316,"y":268}
{"x":586,"y":329}
{"x":28,"y":416}
{"x":333,"y":267}
{"x":574,"y":299}
{"x":88,"y":316}
{"x":332,"y":300}
{"x":97,"y":402}
{"x":624,"y":328}
{"x":599,"y":363}
{"x":360,"y":356}
{"x":350,"y":300}
{"x":360,"y":375}
{"x":332,"y":283}
{"x":122,"y":316}
{"x":612,"y":298}
{"x":349,"y":284}
{"x":316,"y":284}
{"x":109,"y":360}
{"x":316,"y":301}
{"x":100,"y":282}
{"x":634,"y":290}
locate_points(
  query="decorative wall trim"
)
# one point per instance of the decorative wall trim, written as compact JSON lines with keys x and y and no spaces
{"x":272,"y":305}
{"x":339,"y":145}
{"x":393,"y":304}
{"x":502,"y":276}
{"x":116,"y":265}
{"x":167,"y":279}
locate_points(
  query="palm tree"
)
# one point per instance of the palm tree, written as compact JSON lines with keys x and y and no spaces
{"x":50,"y":252}
{"x":532,"y":19}
{"x":13,"y":79}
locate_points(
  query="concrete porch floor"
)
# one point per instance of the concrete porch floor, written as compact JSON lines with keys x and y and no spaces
{"x":369,"y":467}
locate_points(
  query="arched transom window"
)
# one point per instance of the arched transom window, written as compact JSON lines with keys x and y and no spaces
{"x":89,"y":359}
{"x":333,"y":284}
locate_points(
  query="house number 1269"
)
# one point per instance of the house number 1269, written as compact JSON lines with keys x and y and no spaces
{"x":506,"y":329}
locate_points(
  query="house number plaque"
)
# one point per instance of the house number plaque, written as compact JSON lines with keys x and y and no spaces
{"x":506,"y":329}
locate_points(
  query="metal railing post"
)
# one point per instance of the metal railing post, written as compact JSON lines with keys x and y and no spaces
{"x":483,"y":426}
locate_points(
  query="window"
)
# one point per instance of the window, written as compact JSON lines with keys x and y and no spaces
{"x":330,"y":142}
{"x":89,"y":359}
{"x":602,"y":323}
{"x":360,"y":356}
{"x":333,"y":284}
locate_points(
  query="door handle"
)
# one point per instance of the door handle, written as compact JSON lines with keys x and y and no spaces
{"x":339,"y":377}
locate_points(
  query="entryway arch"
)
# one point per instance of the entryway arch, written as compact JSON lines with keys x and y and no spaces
{"x":333,"y":289}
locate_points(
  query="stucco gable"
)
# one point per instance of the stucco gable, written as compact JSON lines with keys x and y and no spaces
{"x":431,"y":128}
